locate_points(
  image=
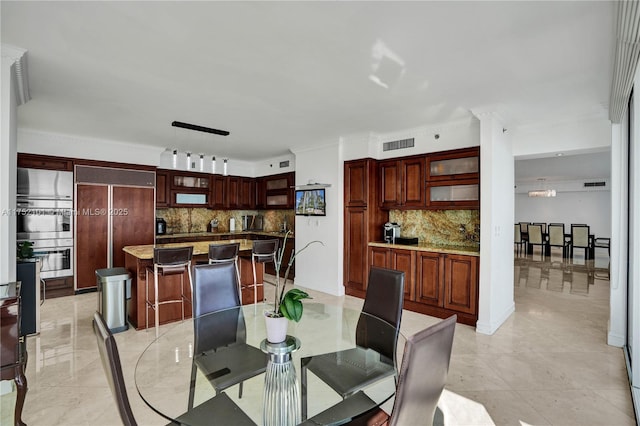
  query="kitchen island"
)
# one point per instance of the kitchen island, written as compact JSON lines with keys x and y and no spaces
{"x":138,"y":258}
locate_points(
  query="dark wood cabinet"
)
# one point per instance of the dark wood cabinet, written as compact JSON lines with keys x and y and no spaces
{"x":402,"y":183}
{"x":189,"y":189}
{"x":247,"y":193}
{"x":429,"y":278}
{"x":278,"y":191}
{"x":261,"y":193}
{"x":218,"y":191}
{"x":162,"y":189}
{"x":454,"y":194}
{"x":36,"y":161}
{"x":233,"y":192}
{"x":91,"y":233}
{"x":455,"y":164}
{"x":116,"y":209}
{"x":363,"y":222}
{"x":438,"y":284}
{"x":460,"y":283}
{"x":405,"y":261}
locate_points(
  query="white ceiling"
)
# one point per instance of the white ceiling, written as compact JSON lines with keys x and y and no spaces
{"x":285,"y":75}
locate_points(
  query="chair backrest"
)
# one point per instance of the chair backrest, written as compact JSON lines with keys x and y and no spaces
{"x":264,"y":250}
{"x":171,"y":256}
{"x":535,"y":234}
{"x":517,"y":236}
{"x":112,"y":368}
{"x":524,"y":226}
{"x":223,"y":252}
{"x":579,"y":235}
{"x":423,"y":374}
{"x":383,"y":301}
{"x":215,"y":287}
{"x":385,"y":295}
{"x":543,"y":226}
{"x":556,"y":234}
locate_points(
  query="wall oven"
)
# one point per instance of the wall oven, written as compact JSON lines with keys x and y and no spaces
{"x":44,"y":212}
{"x":56,"y":257}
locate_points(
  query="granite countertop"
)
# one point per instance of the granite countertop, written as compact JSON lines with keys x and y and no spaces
{"x":199,"y":247}
{"x":468,"y":250}
{"x":213,"y":234}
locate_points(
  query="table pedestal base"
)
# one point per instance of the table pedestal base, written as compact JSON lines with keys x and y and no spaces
{"x":281,"y":405}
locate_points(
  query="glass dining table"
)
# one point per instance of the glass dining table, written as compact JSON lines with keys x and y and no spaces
{"x":165,"y":380}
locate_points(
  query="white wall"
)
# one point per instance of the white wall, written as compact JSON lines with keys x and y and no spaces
{"x":8,"y":173}
{"x":320,"y":267}
{"x":589,"y":135}
{"x":496,"y":300}
{"x":592,"y":208}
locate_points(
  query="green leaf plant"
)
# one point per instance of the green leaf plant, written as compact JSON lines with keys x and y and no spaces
{"x":289,"y":304}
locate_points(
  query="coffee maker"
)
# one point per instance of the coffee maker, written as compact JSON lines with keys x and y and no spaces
{"x":391,"y":232}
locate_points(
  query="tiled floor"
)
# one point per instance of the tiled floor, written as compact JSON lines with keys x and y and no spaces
{"x":548,"y":364}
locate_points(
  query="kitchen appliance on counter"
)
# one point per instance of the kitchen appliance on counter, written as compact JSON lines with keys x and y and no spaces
{"x":391,"y":232}
{"x":252,"y":222}
{"x":161,"y":226}
{"x":407,"y":241}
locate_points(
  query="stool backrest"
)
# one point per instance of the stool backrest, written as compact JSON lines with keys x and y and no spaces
{"x":223,"y":252}
{"x":264,"y":250}
{"x":172,"y":255}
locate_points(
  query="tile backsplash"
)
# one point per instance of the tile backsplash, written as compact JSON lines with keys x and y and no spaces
{"x":457,"y":227}
{"x":182,"y":219}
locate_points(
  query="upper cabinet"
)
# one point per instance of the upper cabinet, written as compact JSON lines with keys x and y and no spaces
{"x":442,"y":180}
{"x":453,"y":179}
{"x":452,"y":165}
{"x":36,"y":161}
{"x":177,"y":188}
{"x":278,"y":191}
{"x":402,"y":183}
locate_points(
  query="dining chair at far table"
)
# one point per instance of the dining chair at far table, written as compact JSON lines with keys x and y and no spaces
{"x":557,"y":238}
{"x":520,"y":244}
{"x":535,"y":239}
{"x":220,"y":349}
{"x":580,"y":238}
{"x":422,"y":378}
{"x":342,"y":370}
{"x":219,"y":409}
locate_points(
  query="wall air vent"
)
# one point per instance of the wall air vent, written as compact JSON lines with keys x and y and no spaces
{"x":594,"y":184}
{"x":401,"y":144}
{"x":284,"y":164}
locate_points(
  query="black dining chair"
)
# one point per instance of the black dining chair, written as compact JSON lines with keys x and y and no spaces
{"x":219,"y":409}
{"x":422,"y":377}
{"x":343,"y":370}
{"x":220,"y":349}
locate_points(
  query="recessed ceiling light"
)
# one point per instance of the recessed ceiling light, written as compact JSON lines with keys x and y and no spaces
{"x":560,"y":154}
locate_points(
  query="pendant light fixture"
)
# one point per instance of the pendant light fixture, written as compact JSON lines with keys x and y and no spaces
{"x":224,"y":167}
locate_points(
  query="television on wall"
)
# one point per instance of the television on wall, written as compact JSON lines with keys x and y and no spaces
{"x":310,"y":202}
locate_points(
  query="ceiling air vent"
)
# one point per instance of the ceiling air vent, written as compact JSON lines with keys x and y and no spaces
{"x":594,"y":184}
{"x":284,"y":164}
{"x":401,"y":144}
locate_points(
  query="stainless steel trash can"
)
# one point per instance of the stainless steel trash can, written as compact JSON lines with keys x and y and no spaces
{"x":114,"y":287}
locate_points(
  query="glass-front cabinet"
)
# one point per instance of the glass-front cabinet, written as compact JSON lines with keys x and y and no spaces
{"x":458,"y":164}
{"x":459,"y":193}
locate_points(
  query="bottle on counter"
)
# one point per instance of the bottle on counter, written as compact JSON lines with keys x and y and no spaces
{"x":232,"y":224}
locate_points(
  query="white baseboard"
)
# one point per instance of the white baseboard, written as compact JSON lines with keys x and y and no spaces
{"x":616,"y":340}
{"x":491,"y":327}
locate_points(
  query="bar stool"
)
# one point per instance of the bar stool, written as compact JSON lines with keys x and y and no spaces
{"x":263,"y":251}
{"x":226,"y":253}
{"x":166,"y":262}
